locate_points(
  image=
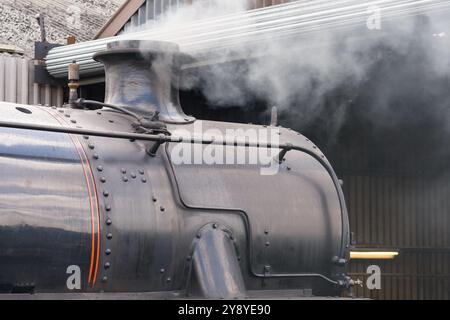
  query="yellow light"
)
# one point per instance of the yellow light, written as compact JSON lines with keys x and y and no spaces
{"x":378,"y":255}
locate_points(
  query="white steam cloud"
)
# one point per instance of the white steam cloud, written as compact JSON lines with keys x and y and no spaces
{"x":299,"y":74}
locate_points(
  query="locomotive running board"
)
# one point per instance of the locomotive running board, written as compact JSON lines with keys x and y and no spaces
{"x":173,"y":295}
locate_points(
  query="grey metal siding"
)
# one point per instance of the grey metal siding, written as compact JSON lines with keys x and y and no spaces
{"x":152,"y":10}
{"x":406,"y":213}
{"x":17,"y":83}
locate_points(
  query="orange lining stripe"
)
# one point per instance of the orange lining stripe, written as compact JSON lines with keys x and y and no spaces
{"x":77,"y":146}
{"x":97,"y":257}
{"x":87,"y":169}
{"x":98,"y":219}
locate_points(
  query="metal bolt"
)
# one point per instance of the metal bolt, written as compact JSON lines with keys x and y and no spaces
{"x":267,"y":244}
{"x":162,"y":270}
{"x":133,"y":175}
{"x":189,"y":258}
{"x":96,"y":156}
{"x":106,"y":193}
{"x":144,"y":180}
{"x":266,"y":232}
{"x":107,"y":265}
{"x":103,"y":179}
{"x":108,"y":222}
{"x":141,"y":171}
{"x":91,"y":146}
{"x":168,"y":280}
{"x":289,"y":168}
{"x":109,"y":236}
{"x":123,"y":170}
{"x":86,"y":137}
{"x":111,"y":121}
{"x":100,"y":168}
{"x":108,"y":207}
{"x":67,"y":115}
{"x":125,"y":179}
{"x":215,"y":225}
{"x":199,"y":236}
{"x":154,"y":199}
{"x":73,"y":121}
{"x":162,"y":209}
{"x":108,"y":252}
{"x":61,"y":110}
{"x":104,"y":279}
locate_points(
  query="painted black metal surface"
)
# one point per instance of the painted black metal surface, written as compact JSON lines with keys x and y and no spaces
{"x":44,"y":207}
{"x":151,"y":211}
{"x":127,"y":221}
{"x":155,"y":68}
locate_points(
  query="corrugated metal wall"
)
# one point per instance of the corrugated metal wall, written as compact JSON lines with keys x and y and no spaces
{"x":406,"y":213}
{"x":254,"y":4}
{"x":397,"y":188}
{"x":17,"y":83}
{"x":151,"y":10}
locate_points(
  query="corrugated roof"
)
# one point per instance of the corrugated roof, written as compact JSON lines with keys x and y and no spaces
{"x":19,"y":26}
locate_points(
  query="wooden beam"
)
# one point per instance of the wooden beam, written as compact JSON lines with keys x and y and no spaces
{"x":119,"y":19}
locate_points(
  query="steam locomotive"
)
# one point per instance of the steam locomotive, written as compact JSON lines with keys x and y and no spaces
{"x":93,"y":203}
